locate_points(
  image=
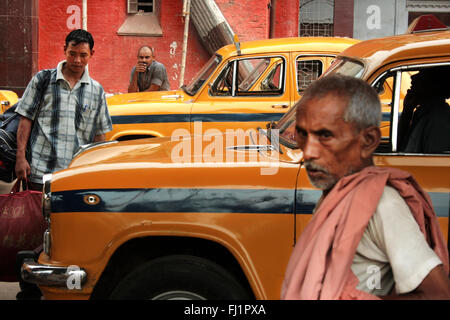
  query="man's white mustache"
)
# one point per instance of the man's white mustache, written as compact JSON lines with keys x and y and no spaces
{"x":310,"y":165}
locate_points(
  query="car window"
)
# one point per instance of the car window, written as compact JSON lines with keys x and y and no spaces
{"x":385,"y":87}
{"x":250,"y":71}
{"x":424,"y":126}
{"x":274,"y":78}
{"x":307,"y":72}
{"x":258,"y":76}
{"x":223,"y":84}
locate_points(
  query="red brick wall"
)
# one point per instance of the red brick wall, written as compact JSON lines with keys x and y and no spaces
{"x":248,"y":19}
{"x":286,"y":21}
{"x":115,"y":55}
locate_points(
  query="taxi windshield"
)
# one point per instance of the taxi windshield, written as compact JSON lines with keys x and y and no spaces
{"x":203,"y":75}
{"x":345,"y":67}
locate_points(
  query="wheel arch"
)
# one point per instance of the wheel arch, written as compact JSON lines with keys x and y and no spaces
{"x":136,"y":251}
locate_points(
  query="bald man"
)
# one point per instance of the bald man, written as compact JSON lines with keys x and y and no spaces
{"x":148,"y":74}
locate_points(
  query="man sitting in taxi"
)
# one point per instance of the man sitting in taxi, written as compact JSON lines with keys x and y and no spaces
{"x":424,"y":125}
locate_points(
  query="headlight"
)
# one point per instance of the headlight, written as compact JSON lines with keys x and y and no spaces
{"x":46,"y":196}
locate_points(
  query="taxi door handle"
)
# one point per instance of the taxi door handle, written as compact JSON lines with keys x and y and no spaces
{"x":280,"y":105}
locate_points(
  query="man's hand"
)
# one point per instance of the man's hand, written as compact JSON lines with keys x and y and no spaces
{"x":22,"y":168}
{"x":141,"y":67}
{"x":99,"y":138}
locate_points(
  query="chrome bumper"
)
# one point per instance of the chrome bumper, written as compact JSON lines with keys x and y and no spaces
{"x":71,"y":277}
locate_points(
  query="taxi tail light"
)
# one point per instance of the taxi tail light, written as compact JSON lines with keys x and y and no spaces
{"x":426,"y":22}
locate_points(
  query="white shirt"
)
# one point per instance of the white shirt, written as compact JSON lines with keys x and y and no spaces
{"x":393,"y":250}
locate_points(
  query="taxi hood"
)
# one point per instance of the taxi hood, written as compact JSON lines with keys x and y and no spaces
{"x":176,"y":161}
{"x":146,"y":97}
{"x":219,"y":149}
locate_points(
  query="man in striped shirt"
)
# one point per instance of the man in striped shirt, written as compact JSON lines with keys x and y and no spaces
{"x":72,"y":112}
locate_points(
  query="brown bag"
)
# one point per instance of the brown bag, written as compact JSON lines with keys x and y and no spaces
{"x":22,"y":226}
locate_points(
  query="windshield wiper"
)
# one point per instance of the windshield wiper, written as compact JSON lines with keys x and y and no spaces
{"x":183,"y":87}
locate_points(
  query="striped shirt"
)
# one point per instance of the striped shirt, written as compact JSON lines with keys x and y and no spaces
{"x":67,"y":119}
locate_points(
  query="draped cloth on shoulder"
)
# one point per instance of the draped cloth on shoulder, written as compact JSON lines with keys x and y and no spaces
{"x":320,"y":264}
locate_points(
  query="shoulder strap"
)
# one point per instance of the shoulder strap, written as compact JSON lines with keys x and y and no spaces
{"x":42,"y":86}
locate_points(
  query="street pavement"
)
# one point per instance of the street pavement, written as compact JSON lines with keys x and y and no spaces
{"x":6,"y":187}
{"x":8,"y":290}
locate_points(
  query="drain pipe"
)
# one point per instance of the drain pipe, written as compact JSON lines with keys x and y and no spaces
{"x":84,"y":14}
{"x":272,"y":5}
{"x":186,"y":13}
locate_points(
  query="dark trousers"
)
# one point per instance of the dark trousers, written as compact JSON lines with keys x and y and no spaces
{"x":35,"y":186}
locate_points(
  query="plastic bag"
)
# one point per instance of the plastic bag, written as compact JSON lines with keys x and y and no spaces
{"x":22,"y":226}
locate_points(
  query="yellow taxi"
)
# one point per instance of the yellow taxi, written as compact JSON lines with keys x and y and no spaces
{"x":243,"y":85}
{"x":212,"y":216}
{"x":7,"y":99}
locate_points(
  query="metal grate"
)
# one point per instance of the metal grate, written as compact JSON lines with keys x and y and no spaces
{"x":307,"y":72}
{"x":316,"y":18}
{"x":134,"y":6}
{"x":316,"y":30}
{"x":146,"y":6}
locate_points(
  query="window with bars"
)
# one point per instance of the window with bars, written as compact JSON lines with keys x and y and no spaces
{"x":307,"y":72}
{"x":316,"y":18}
{"x":135,"y":6}
{"x":142,"y":19}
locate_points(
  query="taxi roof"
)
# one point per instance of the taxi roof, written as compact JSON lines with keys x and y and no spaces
{"x":376,"y":53}
{"x":312,"y":44}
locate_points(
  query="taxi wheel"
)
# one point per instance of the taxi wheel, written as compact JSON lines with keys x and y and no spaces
{"x":180,"y":277}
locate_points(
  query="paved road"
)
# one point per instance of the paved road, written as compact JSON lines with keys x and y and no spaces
{"x":5,"y":187}
{"x":8,"y":290}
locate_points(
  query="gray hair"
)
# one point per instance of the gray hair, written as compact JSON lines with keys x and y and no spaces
{"x":363,"y":108}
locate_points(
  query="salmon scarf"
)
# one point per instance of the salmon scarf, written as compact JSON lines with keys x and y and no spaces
{"x":320,"y":264}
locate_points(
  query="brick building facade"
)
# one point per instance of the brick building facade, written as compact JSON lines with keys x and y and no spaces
{"x":32,"y":33}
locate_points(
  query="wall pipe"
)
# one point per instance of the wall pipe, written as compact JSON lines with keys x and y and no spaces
{"x":186,"y":14}
{"x":84,"y":14}
{"x":272,"y":6}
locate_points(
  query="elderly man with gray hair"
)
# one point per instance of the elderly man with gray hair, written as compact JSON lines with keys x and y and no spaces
{"x":374,"y":233}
